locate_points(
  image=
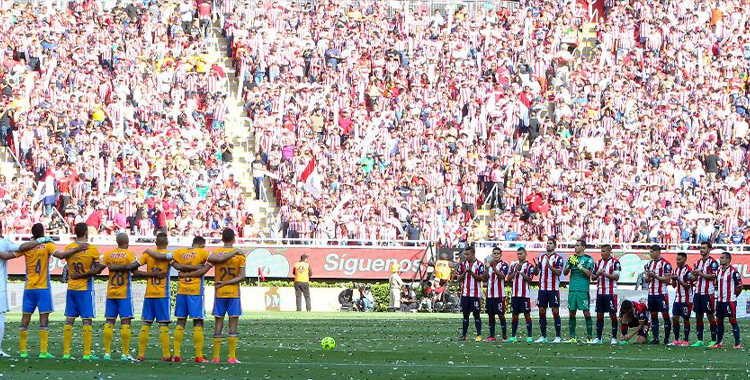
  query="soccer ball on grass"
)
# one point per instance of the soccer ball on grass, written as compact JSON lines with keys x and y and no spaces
{"x":328,"y":343}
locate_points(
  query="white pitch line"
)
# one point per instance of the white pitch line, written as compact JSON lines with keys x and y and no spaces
{"x":469,"y":366}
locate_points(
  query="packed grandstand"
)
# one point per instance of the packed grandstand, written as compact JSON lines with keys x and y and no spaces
{"x":377,"y":120}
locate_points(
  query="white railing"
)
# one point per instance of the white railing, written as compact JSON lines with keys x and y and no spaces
{"x":562,"y":247}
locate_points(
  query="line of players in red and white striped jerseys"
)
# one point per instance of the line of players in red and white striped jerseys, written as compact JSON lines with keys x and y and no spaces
{"x":710,"y":288}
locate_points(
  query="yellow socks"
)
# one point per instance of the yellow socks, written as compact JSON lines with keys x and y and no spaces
{"x":143,"y":340}
{"x":43,"y":340}
{"x":109,"y":333}
{"x":217,"y":347}
{"x":232,"y":340}
{"x":179,"y":332}
{"x":198,"y":340}
{"x":23,"y":337}
{"x":67,"y":337}
{"x":164,"y":338}
{"x":125,"y":335}
{"x":87,"y":332}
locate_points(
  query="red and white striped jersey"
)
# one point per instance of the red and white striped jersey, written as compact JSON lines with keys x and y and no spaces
{"x":661,"y":268}
{"x":471,"y":287}
{"x":547,"y":279}
{"x":683,"y":294}
{"x":708,"y":266}
{"x":520,"y":287}
{"x":606,"y":286}
{"x":495,"y":283}
{"x":727,"y":280}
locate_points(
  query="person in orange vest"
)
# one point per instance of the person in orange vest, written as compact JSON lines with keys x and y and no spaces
{"x":302,"y":275}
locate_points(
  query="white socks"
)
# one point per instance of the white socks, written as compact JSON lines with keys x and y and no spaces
{"x":2,"y":329}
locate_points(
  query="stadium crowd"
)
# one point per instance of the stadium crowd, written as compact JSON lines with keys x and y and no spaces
{"x":118,"y":116}
{"x":414,"y":119}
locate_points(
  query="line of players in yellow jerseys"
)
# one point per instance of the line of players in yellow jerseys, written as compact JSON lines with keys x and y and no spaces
{"x":85,"y":262}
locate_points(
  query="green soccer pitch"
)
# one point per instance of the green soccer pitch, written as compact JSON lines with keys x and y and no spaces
{"x":375,"y":346}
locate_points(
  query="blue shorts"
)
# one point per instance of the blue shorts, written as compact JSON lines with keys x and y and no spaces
{"x":470,"y":305}
{"x":189,"y":306}
{"x":726,"y":309}
{"x":227,"y":306}
{"x":658,"y":303}
{"x":548,"y":298}
{"x":80,"y":303}
{"x":158,"y":309}
{"x":606,"y":303}
{"x":118,"y":307}
{"x":495,"y":306}
{"x":520,"y":305}
{"x":37,"y":299}
{"x":682,"y":309}
{"x":703,"y":304}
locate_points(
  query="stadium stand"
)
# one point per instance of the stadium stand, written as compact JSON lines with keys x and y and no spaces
{"x":375,"y":122}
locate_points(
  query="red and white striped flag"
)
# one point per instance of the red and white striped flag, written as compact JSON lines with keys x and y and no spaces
{"x":308,"y":169}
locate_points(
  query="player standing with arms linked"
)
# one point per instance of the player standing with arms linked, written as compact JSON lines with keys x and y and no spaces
{"x":79,"y":302}
{"x":683,"y":303}
{"x":704,"y":275}
{"x":606,"y":274}
{"x":120,"y":262}
{"x":521,"y":274}
{"x":228,"y":276}
{"x":157,"y":301}
{"x":550,"y":266}
{"x":729,"y":284}
{"x":494,"y":274}
{"x":36,"y":293}
{"x":579,"y":267}
{"x":193,"y":264}
{"x":470,"y":274}
{"x":6,"y":253}
{"x":658,"y":275}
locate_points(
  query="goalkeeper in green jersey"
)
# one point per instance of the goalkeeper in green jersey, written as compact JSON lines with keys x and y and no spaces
{"x":579,"y":268}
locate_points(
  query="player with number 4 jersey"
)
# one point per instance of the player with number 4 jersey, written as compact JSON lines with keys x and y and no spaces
{"x":37,"y":294}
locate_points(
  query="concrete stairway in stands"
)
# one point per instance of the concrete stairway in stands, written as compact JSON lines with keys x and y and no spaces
{"x":238,"y":129}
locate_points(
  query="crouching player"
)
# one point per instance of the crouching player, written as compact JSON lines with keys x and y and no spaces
{"x":634,"y":315}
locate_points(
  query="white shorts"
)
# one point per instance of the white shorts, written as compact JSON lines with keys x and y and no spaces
{"x":4,"y":302}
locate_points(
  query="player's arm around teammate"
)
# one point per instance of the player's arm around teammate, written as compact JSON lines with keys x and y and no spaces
{"x":37,"y":293}
{"x":120,"y":262}
{"x":157,"y":300}
{"x":79,"y":302}
{"x":193,"y":265}
{"x":227,"y":294}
